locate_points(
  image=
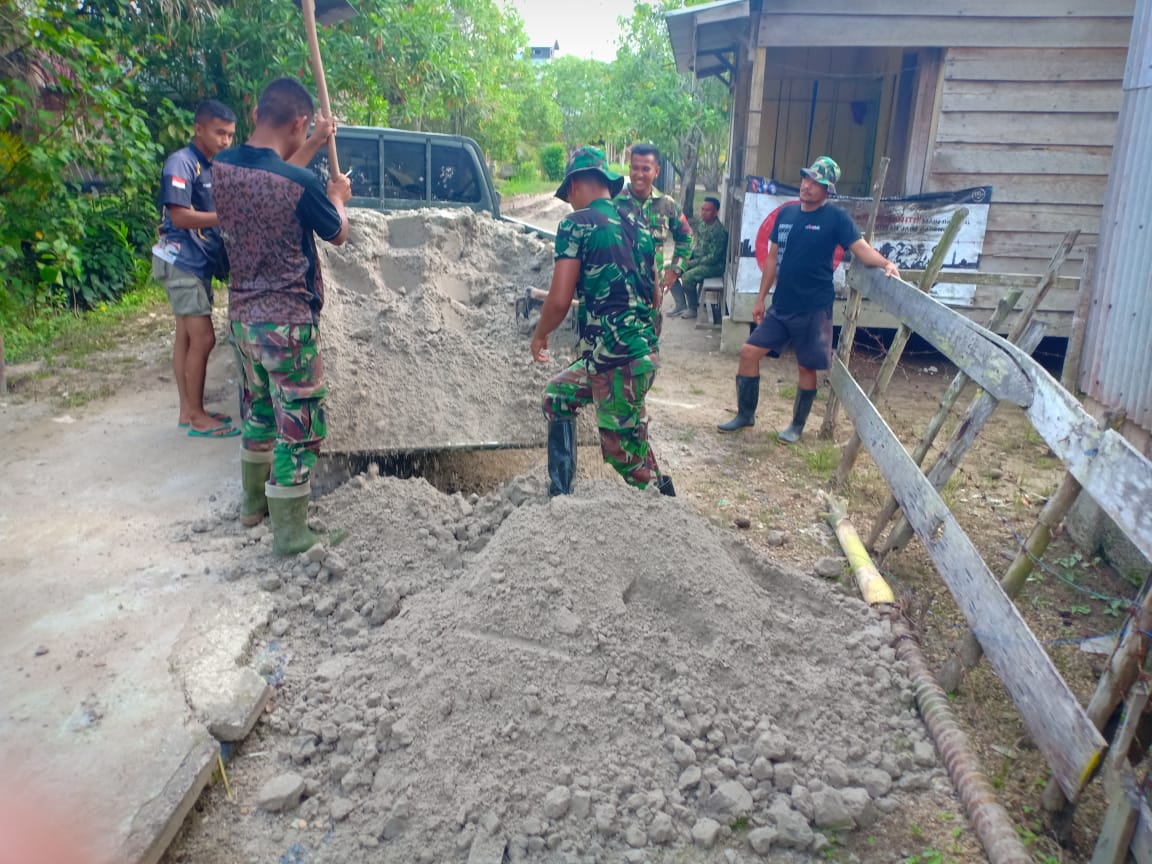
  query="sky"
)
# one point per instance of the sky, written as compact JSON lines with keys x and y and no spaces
{"x":584,"y":29}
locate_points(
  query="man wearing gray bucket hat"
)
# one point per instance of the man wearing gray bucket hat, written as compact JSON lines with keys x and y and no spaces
{"x":605,"y":258}
{"x":800,"y":262}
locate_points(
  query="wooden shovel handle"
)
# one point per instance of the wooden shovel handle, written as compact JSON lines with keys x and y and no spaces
{"x":309,"y":9}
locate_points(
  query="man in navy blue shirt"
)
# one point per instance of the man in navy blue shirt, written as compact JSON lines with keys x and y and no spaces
{"x":801,"y":259}
{"x":185,"y":258}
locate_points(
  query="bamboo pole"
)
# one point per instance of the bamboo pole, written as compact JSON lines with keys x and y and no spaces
{"x":1073,"y":354}
{"x":984,"y":404}
{"x":993,"y":825}
{"x":852,"y":312}
{"x":1050,"y":518}
{"x":900,"y":340}
{"x":873,"y":588}
{"x":951,"y":397}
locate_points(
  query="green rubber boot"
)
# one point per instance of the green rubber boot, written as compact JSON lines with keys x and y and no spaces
{"x":255,"y":468}
{"x":288,"y":509}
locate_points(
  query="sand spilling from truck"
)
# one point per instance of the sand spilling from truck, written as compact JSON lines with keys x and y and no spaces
{"x":593,"y":678}
{"x":422,"y":348}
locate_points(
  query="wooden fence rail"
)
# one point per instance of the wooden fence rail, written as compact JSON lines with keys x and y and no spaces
{"x":1108,"y":468}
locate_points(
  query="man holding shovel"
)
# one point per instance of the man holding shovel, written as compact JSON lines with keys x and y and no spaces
{"x":269,"y":212}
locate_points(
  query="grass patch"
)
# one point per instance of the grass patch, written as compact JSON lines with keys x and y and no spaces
{"x":823,"y":460}
{"x":787,"y":391}
{"x":525,"y":186}
{"x":69,"y":338}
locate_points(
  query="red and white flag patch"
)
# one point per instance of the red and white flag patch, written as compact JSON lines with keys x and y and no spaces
{"x":179,"y":183}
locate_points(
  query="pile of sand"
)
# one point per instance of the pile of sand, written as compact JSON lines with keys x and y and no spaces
{"x":422,"y":348}
{"x":593,"y":678}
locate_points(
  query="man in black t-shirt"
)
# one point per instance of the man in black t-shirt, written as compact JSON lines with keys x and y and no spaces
{"x":800,"y":261}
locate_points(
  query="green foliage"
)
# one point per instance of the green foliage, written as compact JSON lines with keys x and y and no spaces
{"x":553,"y":161}
{"x":77,"y":163}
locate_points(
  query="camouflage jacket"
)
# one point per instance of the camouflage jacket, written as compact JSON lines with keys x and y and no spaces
{"x":662,"y":215}
{"x":711,"y":245}
{"x":615,"y":287}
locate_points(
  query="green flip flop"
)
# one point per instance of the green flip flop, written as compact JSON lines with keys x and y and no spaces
{"x":214,"y":432}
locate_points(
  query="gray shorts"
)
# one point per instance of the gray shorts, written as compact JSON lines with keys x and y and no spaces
{"x":188,"y":293}
{"x":809,"y":332}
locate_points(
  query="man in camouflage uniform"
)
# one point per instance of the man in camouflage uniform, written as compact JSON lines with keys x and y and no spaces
{"x":605,"y":259}
{"x":662,"y":216}
{"x":270,"y":210}
{"x":709,"y":254}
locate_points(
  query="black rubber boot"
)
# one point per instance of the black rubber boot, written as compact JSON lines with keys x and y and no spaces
{"x":664,"y":484}
{"x":561,"y":456}
{"x":747,"y":398}
{"x":677,"y":291}
{"x":804,"y":400}
{"x":692,"y":298}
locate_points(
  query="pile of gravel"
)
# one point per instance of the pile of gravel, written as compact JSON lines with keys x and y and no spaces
{"x":598,"y":677}
{"x":422,"y":347}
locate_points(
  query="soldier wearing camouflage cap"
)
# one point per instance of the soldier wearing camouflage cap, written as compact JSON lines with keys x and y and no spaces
{"x":800,"y":262}
{"x":605,"y":259}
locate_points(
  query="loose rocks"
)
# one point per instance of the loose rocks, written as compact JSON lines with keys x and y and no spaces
{"x":570,"y":693}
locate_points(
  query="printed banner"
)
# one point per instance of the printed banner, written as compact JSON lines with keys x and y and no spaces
{"x":907,"y":231}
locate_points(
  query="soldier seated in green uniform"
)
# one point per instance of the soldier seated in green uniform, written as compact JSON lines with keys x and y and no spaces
{"x":605,"y":259}
{"x":709,"y":254}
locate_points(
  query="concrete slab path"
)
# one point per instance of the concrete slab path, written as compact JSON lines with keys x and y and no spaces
{"x":106,"y":607}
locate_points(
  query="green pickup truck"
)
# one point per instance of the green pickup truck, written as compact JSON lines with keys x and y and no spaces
{"x":394,"y":169}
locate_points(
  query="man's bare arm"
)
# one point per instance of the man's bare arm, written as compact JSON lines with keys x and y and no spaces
{"x":869,"y":257}
{"x":191,"y":220}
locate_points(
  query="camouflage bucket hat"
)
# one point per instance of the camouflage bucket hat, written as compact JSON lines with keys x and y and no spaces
{"x":587,"y":160}
{"x":824,"y":171}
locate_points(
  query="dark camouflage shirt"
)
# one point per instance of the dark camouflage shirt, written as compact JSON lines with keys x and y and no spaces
{"x":615,"y":287}
{"x":662,"y":215}
{"x":711,"y":245}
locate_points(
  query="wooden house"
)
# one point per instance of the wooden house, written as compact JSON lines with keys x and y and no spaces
{"x":1020,"y":96}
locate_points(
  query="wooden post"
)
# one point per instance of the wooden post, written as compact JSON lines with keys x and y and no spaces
{"x":903,"y":334}
{"x":951,"y":397}
{"x":902,"y":533}
{"x":852,"y":313}
{"x":1070,"y":374}
{"x":1050,"y":518}
{"x":1124,"y":794}
{"x":967,"y":430}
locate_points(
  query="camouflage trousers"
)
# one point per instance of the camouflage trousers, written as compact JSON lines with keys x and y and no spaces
{"x":620,"y":414}
{"x":282,"y":395}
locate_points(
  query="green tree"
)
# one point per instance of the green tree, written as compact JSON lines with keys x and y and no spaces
{"x":687,"y":119}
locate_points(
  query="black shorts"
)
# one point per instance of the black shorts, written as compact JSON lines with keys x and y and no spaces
{"x":809,"y":332}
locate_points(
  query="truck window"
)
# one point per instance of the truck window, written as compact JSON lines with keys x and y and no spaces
{"x":454,"y":175}
{"x":359,"y":159}
{"x":404,"y":164}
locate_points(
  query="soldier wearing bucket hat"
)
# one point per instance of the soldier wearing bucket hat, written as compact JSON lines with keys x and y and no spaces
{"x":605,"y":258}
{"x":800,"y":262}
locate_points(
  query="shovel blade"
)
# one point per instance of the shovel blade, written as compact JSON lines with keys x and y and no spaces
{"x":330,"y":11}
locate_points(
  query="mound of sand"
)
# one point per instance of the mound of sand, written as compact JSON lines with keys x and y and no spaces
{"x":593,"y":678}
{"x":422,"y":348}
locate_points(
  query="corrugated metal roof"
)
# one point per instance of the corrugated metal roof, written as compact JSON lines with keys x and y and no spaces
{"x":1116,"y":369}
